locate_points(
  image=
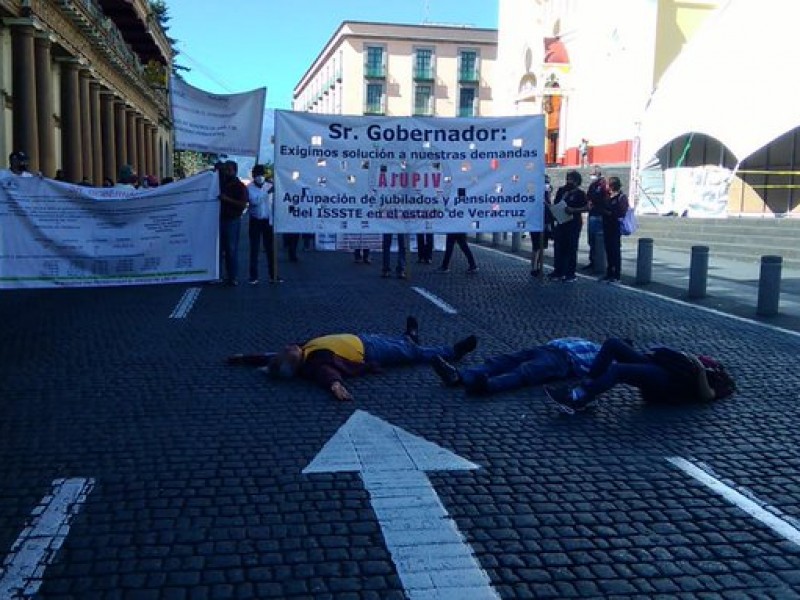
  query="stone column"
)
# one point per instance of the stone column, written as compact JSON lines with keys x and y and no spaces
{"x":25,"y":121}
{"x":140,"y":147}
{"x":86,"y":127}
{"x":121,"y":130}
{"x":97,"y":135}
{"x":71,"y":121}
{"x":130,"y":118}
{"x":45,"y":107}
{"x":154,"y":152}
{"x":108,"y":139}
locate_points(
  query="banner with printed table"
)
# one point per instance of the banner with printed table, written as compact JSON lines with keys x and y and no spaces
{"x":54,"y":234}
{"x":350,"y":174}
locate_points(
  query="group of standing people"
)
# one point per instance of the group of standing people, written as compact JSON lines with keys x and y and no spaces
{"x":606,"y":204}
{"x":424,"y":253}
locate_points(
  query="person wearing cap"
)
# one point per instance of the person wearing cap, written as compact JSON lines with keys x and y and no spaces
{"x":18,"y":164}
{"x":127,"y":178}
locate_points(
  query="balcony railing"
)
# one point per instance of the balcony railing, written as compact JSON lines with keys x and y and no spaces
{"x":468,"y":76}
{"x":373,"y":109}
{"x":423,"y":74}
{"x":466,"y":112}
{"x":375,"y":72}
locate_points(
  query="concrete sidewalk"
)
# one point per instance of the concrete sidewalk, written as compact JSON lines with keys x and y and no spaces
{"x":732,"y":285}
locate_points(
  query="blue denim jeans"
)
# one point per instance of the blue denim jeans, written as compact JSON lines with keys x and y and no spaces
{"x":527,"y":367}
{"x":229,"y":246}
{"x":594,"y":224}
{"x":393,"y":350}
{"x":401,"y":252}
{"x":618,"y":362}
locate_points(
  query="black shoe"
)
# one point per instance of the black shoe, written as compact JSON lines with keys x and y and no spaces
{"x":569,"y":279}
{"x":386,"y":273}
{"x":446,"y":372}
{"x":412,"y":329}
{"x":562,"y":396}
{"x":589,"y":267}
{"x":463,"y":347}
{"x":472,"y":270}
{"x":401,"y":275}
{"x":553,"y":276}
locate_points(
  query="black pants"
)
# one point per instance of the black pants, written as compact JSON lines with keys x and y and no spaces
{"x":290,"y":240}
{"x":450,"y":242}
{"x":425,"y":247}
{"x":613,"y":242}
{"x":261,"y":232}
{"x":567,"y":237}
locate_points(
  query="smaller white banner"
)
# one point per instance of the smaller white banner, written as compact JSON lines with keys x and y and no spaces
{"x":219,"y":123}
{"x":54,"y":234}
{"x":348,"y":174}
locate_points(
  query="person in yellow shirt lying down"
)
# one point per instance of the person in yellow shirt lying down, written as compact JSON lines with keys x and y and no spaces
{"x":327,"y":360}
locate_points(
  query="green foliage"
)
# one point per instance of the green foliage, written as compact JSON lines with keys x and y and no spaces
{"x":188,"y":162}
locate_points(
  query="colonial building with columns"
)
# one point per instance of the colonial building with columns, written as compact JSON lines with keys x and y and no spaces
{"x":83,"y":86}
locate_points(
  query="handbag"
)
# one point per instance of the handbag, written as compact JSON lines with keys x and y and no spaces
{"x":628,"y":224}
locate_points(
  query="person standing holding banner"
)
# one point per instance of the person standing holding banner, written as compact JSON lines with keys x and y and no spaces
{"x":233,"y":200}
{"x":260,"y":196}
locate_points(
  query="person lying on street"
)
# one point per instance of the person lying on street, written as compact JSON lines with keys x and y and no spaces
{"x":662,"y":375}
{"x":560,"y":358}
{"x":329,"y":359}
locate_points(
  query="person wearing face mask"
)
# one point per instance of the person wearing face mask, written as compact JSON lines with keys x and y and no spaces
{"x":259,"y":195}
{"x":596,"y":194}
{"x":568,"y":232}
{"x":613,"y":209}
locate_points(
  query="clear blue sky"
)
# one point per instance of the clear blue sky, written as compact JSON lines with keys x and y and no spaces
{"x":238,"y":45}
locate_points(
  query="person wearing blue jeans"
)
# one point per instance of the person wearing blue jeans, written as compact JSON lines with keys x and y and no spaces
{"x":233,"y":198}
{"x":619,"y":362}
{"x":327,"y":360}
{"x":400,"y":271}
{"x":557,"y":359}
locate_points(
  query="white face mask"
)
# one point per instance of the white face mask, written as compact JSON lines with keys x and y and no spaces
{"x":593,"y":177}
{"x":259,"y":179}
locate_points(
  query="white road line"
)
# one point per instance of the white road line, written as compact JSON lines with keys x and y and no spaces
{"x":436,"y":300}
{"x":636,"y":290}
{"x":185,"y":304}
{"x":748,"y":505}
{"x":38,"y":544}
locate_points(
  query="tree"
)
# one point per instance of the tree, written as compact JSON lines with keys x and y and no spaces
{"x":160,"y":11}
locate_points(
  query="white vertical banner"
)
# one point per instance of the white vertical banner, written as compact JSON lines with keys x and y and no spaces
{"x":218,"y":123}
{"x":54,"y":234}
{"x":349,"y":174}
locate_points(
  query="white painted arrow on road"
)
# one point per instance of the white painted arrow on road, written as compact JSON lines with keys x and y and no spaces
{"x":430,"y":554}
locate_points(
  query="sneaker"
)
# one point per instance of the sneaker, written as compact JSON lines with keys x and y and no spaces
{"x":562,"y":396}
{"x":463,"y":347}
{"x":277,"y":280}
{"x":386,"y":273}
{"x":446,"y":372}
{"x":412,"y":329}
{"x":569,"y":279}
{"x":472,"y":270}
{"x":401,"y":274}
{"x":443,"y":270}
{"x":253,"y":281}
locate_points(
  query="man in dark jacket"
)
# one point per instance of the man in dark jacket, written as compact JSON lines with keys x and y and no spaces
{"x":329,"y":359}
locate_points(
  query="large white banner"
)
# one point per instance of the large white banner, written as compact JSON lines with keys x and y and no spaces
{"x":54,"y":234}
{"x":341,"y":174}
{"x":218,"y":123}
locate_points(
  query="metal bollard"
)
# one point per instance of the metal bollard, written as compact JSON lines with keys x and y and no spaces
{"x":516,"y":242}
{"x":769,"y":285}
{"x":496,"y":239}
{"x":599,"y":252}
{"x":644,"y":261}
{"x":698,"y":272}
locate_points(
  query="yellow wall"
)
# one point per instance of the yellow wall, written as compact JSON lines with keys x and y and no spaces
{"x":678,"y":21}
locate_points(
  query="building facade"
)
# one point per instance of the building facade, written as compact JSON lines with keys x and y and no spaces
{"x":401,"y":70}
{"x":84,"y":87}
{"x":589,"y":66}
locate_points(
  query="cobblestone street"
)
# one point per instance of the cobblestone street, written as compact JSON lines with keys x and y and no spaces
{"x":196,"y":468}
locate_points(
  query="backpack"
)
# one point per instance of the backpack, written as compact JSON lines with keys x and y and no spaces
{"x":718,"y":377}
{"x":628,"y":223}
